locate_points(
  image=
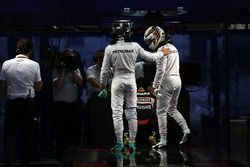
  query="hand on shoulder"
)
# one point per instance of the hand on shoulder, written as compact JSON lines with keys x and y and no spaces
{"x":166,"y":51}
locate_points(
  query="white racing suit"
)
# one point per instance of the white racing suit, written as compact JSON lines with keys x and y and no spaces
{"x":122,"y":58}
{"x":168,"y":82}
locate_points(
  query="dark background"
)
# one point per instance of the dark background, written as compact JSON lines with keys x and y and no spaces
{"x":213,"y":38}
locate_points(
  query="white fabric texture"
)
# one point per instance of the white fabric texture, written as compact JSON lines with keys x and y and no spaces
{"x":20,"y":73}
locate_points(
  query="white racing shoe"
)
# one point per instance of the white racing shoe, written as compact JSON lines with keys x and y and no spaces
{"x":160,"y":145}
{"x":185,"y":137}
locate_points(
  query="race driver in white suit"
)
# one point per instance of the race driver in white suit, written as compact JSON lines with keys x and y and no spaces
{"x":166,"y":85}
{"x":121,"y":55}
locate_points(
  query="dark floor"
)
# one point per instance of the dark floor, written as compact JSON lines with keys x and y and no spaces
{"x":195,"y":156}
{"x":212,"y":145}
{"x":173,"y":156}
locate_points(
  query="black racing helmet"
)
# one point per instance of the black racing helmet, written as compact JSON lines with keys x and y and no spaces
{"x":121,"y":29}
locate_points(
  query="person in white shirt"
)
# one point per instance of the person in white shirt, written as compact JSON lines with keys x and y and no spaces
{"x":93,"y":75}
{"x":121,"y":55}
{"x":93,"y":87}
{"x":20,"y":78}
{"x":166,"y":85}
{"x":66,"y":81}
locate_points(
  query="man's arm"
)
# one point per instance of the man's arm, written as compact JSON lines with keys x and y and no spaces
{"x":93,"y":82}
{"x":92,"y":77}
{"x":160,"y":71}
{"x":38,"y":85}
{"x":151,"y":57}
{"x":58,"y":77}
{"x":77,"y":77}
{"x":105,"y":69}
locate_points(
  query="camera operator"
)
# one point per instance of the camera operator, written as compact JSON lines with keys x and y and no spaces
{"x":67,"y":79}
